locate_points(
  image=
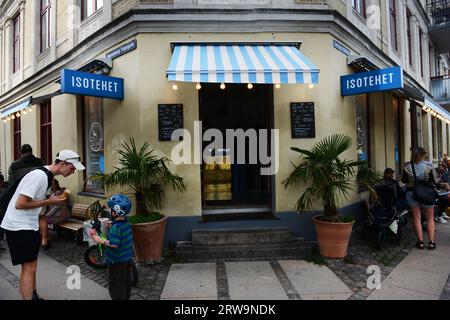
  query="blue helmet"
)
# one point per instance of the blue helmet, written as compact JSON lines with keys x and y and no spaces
{"x":120,"y":204}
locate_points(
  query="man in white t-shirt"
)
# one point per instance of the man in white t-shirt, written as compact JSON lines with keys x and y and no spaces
{"x":21,"y":220}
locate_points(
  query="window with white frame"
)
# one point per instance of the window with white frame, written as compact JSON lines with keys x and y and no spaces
{"x":88,"y":7}
{"x":16,"y":43}
{"x":45,"y":24}
{"x":393,"y":24}
{"x":360,"y":7}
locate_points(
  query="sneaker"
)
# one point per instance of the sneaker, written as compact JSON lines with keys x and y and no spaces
{"x":440,"y":220}
{"x":445,"y":216}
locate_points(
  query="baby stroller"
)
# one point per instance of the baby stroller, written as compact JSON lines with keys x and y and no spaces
{"x":383,"y":213}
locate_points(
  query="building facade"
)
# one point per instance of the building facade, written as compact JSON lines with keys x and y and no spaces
{"x":137,"y":41}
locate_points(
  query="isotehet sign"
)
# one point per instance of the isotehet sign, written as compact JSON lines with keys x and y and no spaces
{"x":373,"y":81}
{"x":90,"y":84}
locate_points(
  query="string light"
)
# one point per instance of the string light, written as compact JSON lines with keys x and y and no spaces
{"x":277,"y":86}
{"x":198,"y":86}
{"x":222,"y":86}
{"x":30,"y":109}
{"x":18,"y":115}
{"x":13,"y":117}
{"x":24,"y":111}
{"x":311,"y":86}
{"x":174,"y":86}
{"x":250,"y":86}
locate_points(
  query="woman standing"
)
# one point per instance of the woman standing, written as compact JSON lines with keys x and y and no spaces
{"x":423,"y":173}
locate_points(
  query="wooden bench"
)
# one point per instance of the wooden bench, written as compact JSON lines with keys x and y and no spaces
{"x":78,"y":215}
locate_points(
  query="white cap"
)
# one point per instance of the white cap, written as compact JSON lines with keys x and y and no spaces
{"x":70,"y":157}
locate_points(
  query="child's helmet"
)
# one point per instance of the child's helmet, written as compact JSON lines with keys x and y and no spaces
{"x":120,"y":204}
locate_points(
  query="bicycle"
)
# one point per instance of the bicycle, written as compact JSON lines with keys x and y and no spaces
{"x":95,"y":255}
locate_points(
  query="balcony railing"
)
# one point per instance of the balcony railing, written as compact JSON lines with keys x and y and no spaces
{"x":439,"y":11}
{"x":440,"y":88}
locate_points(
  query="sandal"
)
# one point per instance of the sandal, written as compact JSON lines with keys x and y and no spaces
{"x":431,"y":245}
{"x":420,"y":245}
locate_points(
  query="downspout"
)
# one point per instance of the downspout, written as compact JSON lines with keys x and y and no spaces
{"x":385,"y":130}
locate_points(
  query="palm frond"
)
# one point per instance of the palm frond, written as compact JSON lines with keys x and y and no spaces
{"x":144,"y":172}
{"x":324,"y":174}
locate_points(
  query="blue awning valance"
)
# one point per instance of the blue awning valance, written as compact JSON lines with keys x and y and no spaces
{"x":241,"y":63}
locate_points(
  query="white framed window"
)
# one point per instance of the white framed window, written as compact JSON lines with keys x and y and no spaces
{"x":88,"y":7}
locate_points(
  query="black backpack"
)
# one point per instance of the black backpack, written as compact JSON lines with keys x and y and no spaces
{"x":6,"y":196}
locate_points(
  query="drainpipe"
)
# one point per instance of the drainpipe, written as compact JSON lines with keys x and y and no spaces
{"x":385,"y":130}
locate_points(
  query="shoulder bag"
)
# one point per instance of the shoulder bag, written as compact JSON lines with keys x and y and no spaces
{"x":424,"y":191}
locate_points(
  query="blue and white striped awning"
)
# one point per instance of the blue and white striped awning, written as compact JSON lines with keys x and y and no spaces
{"x":431,"y":106}
{"x":15,"y":108}
{"x":241,"y":63}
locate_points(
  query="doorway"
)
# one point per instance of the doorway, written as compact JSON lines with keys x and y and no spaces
{"x":228,"y":182}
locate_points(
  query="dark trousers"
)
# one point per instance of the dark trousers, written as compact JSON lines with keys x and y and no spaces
{"x":119,"y":281}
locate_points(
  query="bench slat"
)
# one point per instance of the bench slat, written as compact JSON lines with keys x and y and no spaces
{"x":80,"y":210}
{"x":71,"y":224}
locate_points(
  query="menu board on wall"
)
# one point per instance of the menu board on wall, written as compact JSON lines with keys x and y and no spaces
{"x":170,"y":118}
{"x":302,"y":120}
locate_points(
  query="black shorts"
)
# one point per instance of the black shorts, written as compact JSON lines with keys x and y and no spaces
{"x":23,"y":245}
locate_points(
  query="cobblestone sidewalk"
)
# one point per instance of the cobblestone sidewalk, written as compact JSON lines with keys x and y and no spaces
{"x":351,"y":270}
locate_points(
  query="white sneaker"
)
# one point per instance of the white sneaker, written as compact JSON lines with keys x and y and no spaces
{"x":445,"y":216}
{"x":441,"y":220}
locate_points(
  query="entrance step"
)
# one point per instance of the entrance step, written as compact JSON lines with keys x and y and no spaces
{"x":296,"y":249}
{"x":214,"y":237}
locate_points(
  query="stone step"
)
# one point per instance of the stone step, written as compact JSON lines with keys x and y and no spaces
{"x":296,"y":249}
{"x":214,"y":237}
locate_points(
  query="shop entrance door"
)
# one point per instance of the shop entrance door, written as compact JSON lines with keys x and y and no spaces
{"x":228,"y":185}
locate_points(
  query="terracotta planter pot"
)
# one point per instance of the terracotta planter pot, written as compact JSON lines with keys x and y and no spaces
{"x":148,"y":240}
{"x":333,"y":237}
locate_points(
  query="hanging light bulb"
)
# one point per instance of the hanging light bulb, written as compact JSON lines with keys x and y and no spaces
{"x":24,"y":111}
{"x":18,"y":115}
{"x":250,"y":86}
{"x":174,"y":86}
{"x":311,"y":86}
{"x":30,"y":109}
{"x":8,"y":118}
{"x":4,"y":120}
{"x":198,"y":86}
{"x":222,"y":86}
{"x":13,"y":117}
{"x":277,"y":86}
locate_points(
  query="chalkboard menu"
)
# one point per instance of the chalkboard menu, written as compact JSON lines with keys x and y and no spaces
{"x":170,"y":118}
{"x":302,"y":120}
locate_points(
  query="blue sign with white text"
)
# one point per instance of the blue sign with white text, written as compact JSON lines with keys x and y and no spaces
{"x":90,"y":84}
{"x":373,"y":81}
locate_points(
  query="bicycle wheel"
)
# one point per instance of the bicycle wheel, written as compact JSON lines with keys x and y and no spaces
{"x":94,"y":258}
{"x":134,"y":275}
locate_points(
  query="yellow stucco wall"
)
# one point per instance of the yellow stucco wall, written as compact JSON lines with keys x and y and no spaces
{"x":146,"y":86}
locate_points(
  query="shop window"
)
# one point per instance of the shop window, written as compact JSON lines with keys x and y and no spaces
{"x":416,"y":125}
{"x":45,"y":24}
{"x":360,"y":7}
{"x":439,"y":139}
{"x":362,"y":127}
{"x":88,"y":7}
{"x":46,"y":132}
{"x":17,"y":137}
{"x":16,"y":44}
{"x":393,"y":24}
{"x":448,"y":138}
{"x":433,"y":138}
{"x":93,"y":141}
{"x":397,"y":134}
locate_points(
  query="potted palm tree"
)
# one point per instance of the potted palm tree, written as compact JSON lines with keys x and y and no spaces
{"x":147,"y":175}
{"x":328,"y":178}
